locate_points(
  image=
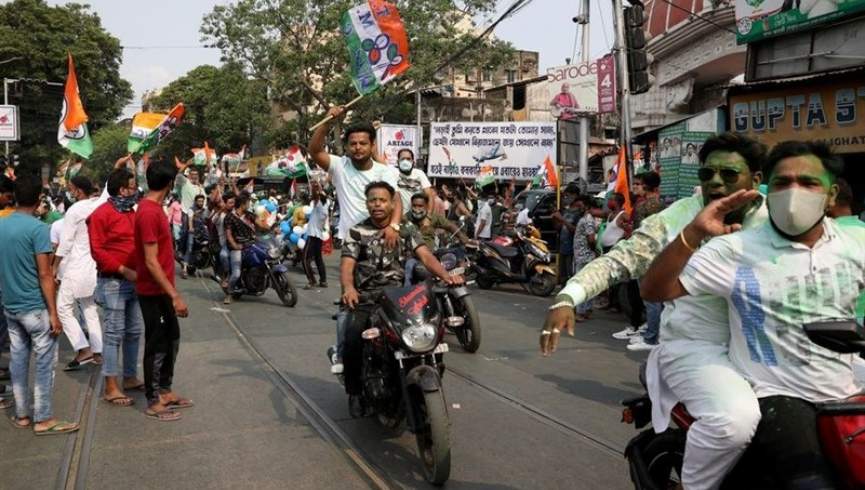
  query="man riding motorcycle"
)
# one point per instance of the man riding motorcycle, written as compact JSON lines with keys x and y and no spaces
{"x":798,"y":268}
{"x":693,"y":329}
{"x":427,"y":224}
{"x":368,"y":266}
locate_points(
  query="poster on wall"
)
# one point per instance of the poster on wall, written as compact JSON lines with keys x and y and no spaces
{"x":391,"y":138}
{"x":760,"y":19}
{"x":512,"y":149}
{"x":678,"y":152}
{"x":692,"y":142}
{"x":670,"y":159}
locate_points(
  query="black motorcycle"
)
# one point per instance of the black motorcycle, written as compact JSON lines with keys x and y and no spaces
{"x":524,"y":259}
{"x":261,"y":270}
{"x":402,"y":372}
{"x":202,"y":256}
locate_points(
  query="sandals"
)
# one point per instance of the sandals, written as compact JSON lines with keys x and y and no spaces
{"x":16,"y":422}
{"x":165,"y":415}
{"x":6,"y":403}
{"x":120,"y":401}
{"x":179,"y":403}
{"x":75,"y":365}
{"x":61,"y":427}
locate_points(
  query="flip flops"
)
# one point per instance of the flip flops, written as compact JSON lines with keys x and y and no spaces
{"x":6,"y":403}
{"x":15,"y":421}
{"x":61,"y":427}
{"x":180,"y":403}
{"x":120,"y":401}
{"x":163,"y":415}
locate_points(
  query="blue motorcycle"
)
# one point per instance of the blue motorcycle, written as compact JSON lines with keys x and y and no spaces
{"x":262,"y":269}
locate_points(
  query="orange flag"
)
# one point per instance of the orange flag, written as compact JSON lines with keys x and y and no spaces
{"x":551,"y":174}
{"x":74,"y":115}
{"x":622,"y":186}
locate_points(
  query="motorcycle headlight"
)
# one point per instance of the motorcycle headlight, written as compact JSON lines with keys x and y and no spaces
{"x":420,"y":338}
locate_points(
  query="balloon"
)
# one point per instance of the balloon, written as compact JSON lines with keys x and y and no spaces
{"x":293,"y":238}
{"x":298,"y":230}
{"x":305,"y":227}
{"x":307,"y":210}
{"x":259,"y":210}
{"x":285,"y":228}
{"x":301,"y":243}
{"x":270,"y":206}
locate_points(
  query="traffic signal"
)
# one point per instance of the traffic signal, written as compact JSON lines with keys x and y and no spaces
{"x":638,"y":59}
{"x":14,"y":160}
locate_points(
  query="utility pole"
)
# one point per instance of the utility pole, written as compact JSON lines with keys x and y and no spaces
{"x":584,"y":120}
{"x":417,"y":102}
{"x":621,"y":49}
{"x":6,"y":102}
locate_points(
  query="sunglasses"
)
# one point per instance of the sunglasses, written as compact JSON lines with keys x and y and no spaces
{"x":728,"y":175}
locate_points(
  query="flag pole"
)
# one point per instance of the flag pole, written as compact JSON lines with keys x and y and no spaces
{"x":328,"y":118}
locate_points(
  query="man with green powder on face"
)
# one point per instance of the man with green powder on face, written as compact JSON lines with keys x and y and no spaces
{"x":798,"y":268}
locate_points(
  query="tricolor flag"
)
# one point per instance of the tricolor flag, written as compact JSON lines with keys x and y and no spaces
{"x":377,"y":44}
{"x":72,"y":133}
{"x":547,"y":175}
{"x":204,"y":156}
{"x":234,"y":159}
{"x":149,"y":128}
{"x":291,"y":165}
{"x":622,"y":186}
{"x":485,"y":177}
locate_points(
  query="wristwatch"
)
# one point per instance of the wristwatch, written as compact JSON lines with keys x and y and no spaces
{"x":395,"y":227}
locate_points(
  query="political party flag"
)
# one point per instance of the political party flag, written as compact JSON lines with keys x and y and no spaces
{"x":149,"y":128}
{"x":485,"y":177}
{"x":72,"y":132}
{"x":547,"y":175}
{"x":234,"y":159}
{"x":204,"y":156}
{"x":622,"y":186}
{"x":377,"y":44}
{"x":291,"y":165}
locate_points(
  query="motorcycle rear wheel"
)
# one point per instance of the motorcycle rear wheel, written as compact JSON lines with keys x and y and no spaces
{"x":664,"y":455}
{"x":433,"y":439}
{"x":469,"y":334}
{"x":484,"y":282}
{"x":542,"y":284}
{"x":285,"y":289}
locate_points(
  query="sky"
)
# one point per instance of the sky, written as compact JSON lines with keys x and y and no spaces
{"x":544,"y":26}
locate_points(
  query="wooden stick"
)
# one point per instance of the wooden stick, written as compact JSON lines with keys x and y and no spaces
{"x":328,"y":118}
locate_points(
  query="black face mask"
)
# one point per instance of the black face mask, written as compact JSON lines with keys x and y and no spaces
{"x":417,"y":215}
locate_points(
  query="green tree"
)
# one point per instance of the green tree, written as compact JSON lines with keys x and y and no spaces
{"x":295,"y":46}
{"x":36,"y":37}
{"x":109,"y":144}
{"x":223,"y":107}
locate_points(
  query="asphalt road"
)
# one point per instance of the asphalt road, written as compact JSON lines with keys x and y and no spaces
{"x":269,"y":414}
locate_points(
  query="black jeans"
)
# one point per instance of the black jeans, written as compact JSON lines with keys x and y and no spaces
{"x":312,"y":252}
{"x":566,"y":267}
{"x":352,"y":350}
{"x":161,"y":343}
{"x":785,"y":449}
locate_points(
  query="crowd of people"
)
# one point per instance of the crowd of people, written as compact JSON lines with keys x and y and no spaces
{"x":718,"y":314}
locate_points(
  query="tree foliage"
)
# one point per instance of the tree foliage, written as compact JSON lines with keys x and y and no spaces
{"x":296,"y":47}
{"x":109,"y":144}
{"x":223,"y":107}
{"x":36,"y":38}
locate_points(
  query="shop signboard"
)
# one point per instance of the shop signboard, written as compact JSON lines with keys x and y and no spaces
{"x":830,"y":111}
{"x":513,"y":149}
{"x":392,"y":138}
{"x":9,"y":130}
{"x":760,"y":19}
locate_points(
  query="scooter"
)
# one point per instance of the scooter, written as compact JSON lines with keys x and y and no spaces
{"x":524,"y":260}
{"x":262,"y":269}
{"x":655,"y":460}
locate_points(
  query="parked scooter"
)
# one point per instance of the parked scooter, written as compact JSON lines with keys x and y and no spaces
{"x":655,"y":460}
{"x":402,"y":372}
{"x":524,"y":260}
{"x":262,"y":269}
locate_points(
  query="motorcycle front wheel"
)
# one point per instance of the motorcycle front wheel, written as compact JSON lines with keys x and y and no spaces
{"x":469,"y":334}
{"x":433,"y":437}
{"x":484,"y":282}
{"x":285,"y":289}
{"x":542,"y":284}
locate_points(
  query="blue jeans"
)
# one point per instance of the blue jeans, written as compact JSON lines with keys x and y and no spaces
{"x":122,"y":323}
{"x":224,"y":262}
{"x":653,"y":322}
{"x":410,"y":265}
{"x":236,"y":259}
{"x":342,"y":320}
{"x":4,"y":330}
{"x":31,"y":332}
{"x":190,"y":241}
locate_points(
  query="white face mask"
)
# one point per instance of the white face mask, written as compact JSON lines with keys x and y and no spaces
{"x":795,"y":211}
{"x":405,"y":165}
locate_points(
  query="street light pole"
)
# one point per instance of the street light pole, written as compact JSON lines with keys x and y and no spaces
{"x":6,"y":102}
{"x":624,"y":84}
{"x":584,"y":120}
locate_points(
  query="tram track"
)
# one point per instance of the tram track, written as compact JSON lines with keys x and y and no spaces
{"x":72,"y":474}
{"x":324,"y":425}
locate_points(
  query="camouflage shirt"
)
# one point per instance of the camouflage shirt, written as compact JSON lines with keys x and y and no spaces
{"x":377,"y":267}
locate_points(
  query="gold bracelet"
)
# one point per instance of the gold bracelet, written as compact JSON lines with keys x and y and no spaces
{"x":685,"y":242}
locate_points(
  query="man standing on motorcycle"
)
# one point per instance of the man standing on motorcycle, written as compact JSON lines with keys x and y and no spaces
{"x":368,"y":266}
{"x":692,"y":358}
{"x":798,"y":268}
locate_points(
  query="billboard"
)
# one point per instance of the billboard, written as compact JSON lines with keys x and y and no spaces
{"x":572,"y":90}
{"x":512,"y":149}
{"x":760,"y":19}
{"x":391,"y":138}
{"x":830,"y":111}
{"x":9,"y":123}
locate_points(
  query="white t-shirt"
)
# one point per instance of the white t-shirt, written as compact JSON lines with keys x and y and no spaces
{"x":772,"y":289}
{"x":415,"y":182}
{"x":523,"y":218}
{"x":613,"y":232}
{"x":350,"y":184}
{"x":485,"y":214}
{"x":317,"y":224}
